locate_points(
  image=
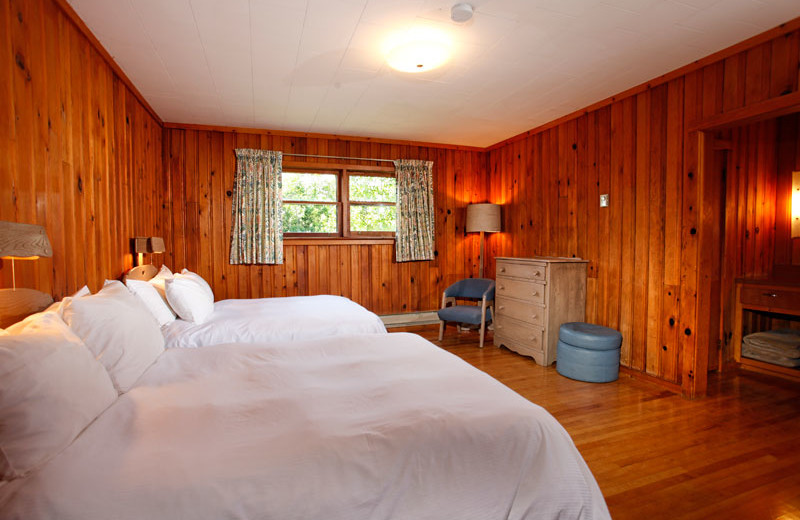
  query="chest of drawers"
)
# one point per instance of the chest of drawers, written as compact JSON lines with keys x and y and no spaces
{"x":534,"y":296}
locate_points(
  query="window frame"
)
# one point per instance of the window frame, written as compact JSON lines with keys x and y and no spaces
{"x":343,"y":202}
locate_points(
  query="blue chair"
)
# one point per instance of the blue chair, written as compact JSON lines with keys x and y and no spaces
{"x":471,"y":288}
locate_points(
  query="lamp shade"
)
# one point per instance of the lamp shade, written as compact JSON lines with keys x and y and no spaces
{"x":23,"y":241}
{"x":148,"y":245}
{"x":483,"y":217}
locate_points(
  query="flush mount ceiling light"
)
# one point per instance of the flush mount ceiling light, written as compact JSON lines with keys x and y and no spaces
{"x":417,"y":51}
{"x":461,"y":12}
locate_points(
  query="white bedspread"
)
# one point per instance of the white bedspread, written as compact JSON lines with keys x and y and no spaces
{"x":275,"y":319}
{"x":368,"y":427}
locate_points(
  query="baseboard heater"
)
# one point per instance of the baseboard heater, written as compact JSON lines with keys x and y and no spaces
{"x":409,"y":319}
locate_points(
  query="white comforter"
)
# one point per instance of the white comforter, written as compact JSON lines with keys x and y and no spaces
{"x":275,"y":319}
{"x":368,"y":427}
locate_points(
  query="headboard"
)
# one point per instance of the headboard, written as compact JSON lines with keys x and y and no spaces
{"x":141,"y":272}
{"x":16,"y":305}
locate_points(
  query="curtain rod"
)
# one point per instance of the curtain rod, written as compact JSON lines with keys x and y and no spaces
{"x":335,"y":157}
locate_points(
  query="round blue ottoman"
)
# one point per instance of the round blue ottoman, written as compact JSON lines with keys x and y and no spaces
{"x":588,"y":352}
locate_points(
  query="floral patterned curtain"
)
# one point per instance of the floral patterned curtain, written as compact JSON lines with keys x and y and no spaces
{"x":415,"y":225}
{"x":257,"y":230}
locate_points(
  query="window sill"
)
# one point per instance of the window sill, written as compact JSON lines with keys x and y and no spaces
{"x":329,"y":241}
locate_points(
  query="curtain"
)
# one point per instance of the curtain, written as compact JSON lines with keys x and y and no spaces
{"x":414,"y":239}
{"x":257,"y":213}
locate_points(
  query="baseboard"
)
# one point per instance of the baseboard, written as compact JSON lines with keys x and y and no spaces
{"x":409,"y":319}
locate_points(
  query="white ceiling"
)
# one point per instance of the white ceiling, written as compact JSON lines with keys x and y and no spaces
{"x":317,"y":65}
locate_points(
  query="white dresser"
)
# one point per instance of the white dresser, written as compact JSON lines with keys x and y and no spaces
{"x":534,"y":296}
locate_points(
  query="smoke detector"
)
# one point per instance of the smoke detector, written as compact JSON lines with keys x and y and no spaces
{"x":461,"y":12}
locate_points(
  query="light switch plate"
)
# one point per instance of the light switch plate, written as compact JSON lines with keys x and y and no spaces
{"x":604,"y":200}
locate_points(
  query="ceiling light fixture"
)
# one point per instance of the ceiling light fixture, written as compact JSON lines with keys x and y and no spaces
{"x":417,"y":51}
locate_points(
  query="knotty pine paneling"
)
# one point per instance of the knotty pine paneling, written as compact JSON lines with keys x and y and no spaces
{"x":79,"y":154}
{"x":757,"y":228}
{"x":645,"y":261}
{"x":201,"y":165}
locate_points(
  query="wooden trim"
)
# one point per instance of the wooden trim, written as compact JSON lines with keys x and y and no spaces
{"x":311,"y":135}
{"x":647,"y":378}
{"x":769,"y":369}
{"x":734,"y":49}
{"x":84,"y":29}
{"x":337,"y":241}
{"x":768,"y":109}
{"x":300,"y":167}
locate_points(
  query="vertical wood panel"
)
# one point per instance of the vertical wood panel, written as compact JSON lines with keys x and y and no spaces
{"x":80,"y":154}
{"x":644,"y":248}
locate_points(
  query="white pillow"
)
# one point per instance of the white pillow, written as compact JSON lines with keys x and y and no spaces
{"x":148,"y":294}
{"x":158,"y":280}
{"x":59,"y":305}
{"x":50,"y":390}
{"x":118,"y":330}
{"x":188,"y":299}
{"x":200,"y":281}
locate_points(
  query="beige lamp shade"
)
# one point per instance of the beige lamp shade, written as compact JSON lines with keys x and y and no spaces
{"x":148,"y":245}
{"x":483,"y":217}
{"x":23,"y":241}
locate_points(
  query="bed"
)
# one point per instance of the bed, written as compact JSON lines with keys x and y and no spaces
{"x":201,"y":321}
{"x":274,"y":319}
{"x":354,"y":427}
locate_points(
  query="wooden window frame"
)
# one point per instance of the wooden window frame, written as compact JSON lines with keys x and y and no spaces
{"x":343,"y":173}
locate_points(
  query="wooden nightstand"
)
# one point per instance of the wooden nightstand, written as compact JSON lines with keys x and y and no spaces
{"x":771,"y":296}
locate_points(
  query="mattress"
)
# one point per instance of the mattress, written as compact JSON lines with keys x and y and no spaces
{"x":356,"y":427}
{"x":274,"y":319}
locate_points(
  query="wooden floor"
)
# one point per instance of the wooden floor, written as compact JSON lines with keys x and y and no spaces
{"x":734,"y":454}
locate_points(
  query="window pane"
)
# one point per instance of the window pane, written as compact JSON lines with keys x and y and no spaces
{"x":373,"y":189}
{"x":372,"y":218}
{"x":309,"y":186}
{"x":309,"y":218}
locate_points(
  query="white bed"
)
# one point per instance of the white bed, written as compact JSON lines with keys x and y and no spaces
{"x":242,"y":320}
{"x":353,"y":427}
{"x":274,"y":319}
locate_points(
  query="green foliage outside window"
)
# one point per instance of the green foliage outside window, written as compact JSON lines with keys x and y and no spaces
{"x":308,"y":217}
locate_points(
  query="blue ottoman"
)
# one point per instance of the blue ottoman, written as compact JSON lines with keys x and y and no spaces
{"x":588,"y":352}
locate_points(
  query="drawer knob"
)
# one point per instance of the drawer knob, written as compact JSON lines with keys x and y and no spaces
{"x":502,"y":287}
{"x":537,"y":273}
{"x":533,"y":316}
{"x":535,"y":293}
{"x":770,"y":294}
{"x":502,"y":269}
{"x":500,"y":308}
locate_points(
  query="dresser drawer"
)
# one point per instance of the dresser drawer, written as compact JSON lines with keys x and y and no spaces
{"x":528,"y":272}
{"x":770,"y":297}
{"x":520,"y":331}
{"x":522,"y":311}
{"x":528,"y":291}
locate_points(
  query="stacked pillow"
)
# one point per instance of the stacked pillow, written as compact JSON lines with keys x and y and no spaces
{"x":51,"y":388}
{"x":61,"y":368}
{"x":186,"y":294}
{"x":118,"y":330}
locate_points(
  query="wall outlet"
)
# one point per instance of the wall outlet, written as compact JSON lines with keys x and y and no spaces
{"x":604,"y":200}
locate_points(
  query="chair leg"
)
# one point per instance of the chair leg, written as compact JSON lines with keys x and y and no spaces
{"x":483,"y":330}
{"x":441,"y":331}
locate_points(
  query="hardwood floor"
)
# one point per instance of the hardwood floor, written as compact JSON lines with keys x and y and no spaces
{"x":734,"y":454}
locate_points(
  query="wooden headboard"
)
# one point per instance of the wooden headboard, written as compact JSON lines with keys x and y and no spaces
{"x":141,"y":272}
{"x":16,"y":305}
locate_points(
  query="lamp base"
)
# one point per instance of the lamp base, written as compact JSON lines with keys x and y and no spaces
{"x":18,"y":304}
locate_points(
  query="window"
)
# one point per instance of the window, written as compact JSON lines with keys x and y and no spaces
{"x":342,"y":202}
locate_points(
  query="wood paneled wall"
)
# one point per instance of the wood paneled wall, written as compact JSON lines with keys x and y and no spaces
{"x":79,"y":153}
{"x":201,"y":165}
{"x":641,"y":149}
{"x":757,"y":220}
